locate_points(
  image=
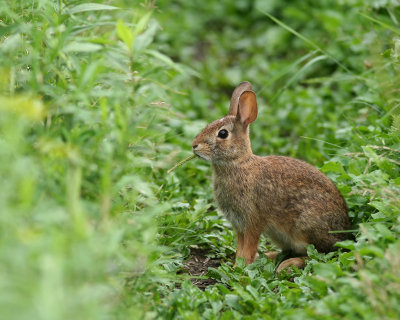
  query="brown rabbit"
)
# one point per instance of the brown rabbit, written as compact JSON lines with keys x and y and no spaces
{"x":289,"y":200}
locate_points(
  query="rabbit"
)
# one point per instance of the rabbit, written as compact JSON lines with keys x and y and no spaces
{"x":288,"y":200}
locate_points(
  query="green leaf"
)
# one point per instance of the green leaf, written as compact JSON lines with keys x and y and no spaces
{"x":128,"y":36}
{"x":372,"y":251}
{"x":328,"y":270}
{"x":140,"y":26}
{"x":253,"y":292}
{"x":165,"y":59}
{"x":144,"y":39}
{"x":346,"y":244}
{"x":397,"y":181}
{"x":334,"y":167}
{"x":232,"y":300}
{"x":125,"y":34}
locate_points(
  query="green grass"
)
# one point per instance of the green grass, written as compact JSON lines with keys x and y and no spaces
{"x":99,"y":100}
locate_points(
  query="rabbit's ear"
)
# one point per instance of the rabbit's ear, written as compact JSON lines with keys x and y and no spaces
{"x":247,"y":107}
{"x":242,"y":87}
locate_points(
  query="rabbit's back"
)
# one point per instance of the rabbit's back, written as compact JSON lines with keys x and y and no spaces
{"x":298,"y":184}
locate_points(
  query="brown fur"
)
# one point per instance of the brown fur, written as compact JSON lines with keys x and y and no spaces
{"x":287,"y":199}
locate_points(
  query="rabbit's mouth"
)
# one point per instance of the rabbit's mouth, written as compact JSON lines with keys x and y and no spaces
{"x":202,"y":156}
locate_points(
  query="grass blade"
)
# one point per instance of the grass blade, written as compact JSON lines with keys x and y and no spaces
{"x":297,"y":74}
{"x":84,"y":7}
{"x":385,"y":25}
{"x":181,"y":163}
{"x":306,"y":40}
{"x":287,"y":70}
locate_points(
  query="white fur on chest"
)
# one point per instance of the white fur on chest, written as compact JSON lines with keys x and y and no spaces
{"x":232,"y":207}
{"x":236,"y":219}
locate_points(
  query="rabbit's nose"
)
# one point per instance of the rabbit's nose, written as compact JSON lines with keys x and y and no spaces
{"x":195,"y":146}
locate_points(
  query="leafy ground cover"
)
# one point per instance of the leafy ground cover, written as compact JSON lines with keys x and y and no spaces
{"x":98,"y":100}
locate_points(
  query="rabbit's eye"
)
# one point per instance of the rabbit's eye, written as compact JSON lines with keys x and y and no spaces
{"x":223,"y":133}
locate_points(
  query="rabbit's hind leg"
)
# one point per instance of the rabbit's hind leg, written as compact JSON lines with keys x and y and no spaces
{"x":298,"y":262}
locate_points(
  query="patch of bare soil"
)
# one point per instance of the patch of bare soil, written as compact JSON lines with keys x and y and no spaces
{"x":198,"y":264}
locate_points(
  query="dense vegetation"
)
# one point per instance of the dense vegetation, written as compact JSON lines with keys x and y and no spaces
{"x":98,"y":100}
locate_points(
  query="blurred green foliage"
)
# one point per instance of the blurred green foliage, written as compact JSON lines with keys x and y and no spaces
{"x":97,"y":100}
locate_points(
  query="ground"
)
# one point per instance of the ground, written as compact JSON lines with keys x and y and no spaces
{"x":197,"y":266}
